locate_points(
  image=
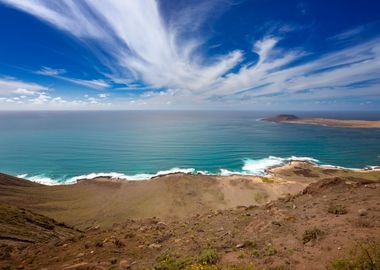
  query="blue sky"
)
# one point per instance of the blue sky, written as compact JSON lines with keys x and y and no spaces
{"x":182,"y":54}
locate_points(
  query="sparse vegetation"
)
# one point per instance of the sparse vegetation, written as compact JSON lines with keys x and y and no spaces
{"x":260,"y":197}
{"x":118,"y":243}
{"x":337,"y":209}
{"x":312,"y":235}
{"x":267,"y":180}
{"x":98,"y":243}
{"x":198,"y":266}
{"x":363,"y":256}
{"x":267,"y":250}
{"x":208,"y":256}
{"x":167,"y":262}
{"x":241,"y":268}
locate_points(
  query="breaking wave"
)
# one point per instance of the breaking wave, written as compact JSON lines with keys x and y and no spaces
{"x":255,"y":167}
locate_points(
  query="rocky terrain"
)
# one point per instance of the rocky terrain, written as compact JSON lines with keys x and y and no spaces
{"x":317,"y":227}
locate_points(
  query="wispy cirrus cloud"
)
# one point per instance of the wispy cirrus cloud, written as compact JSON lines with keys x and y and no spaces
{"x":353,"y":33}
{"x":139,"y":43}
{"x":145,"y":50}
{"x":333,"y":70}
{"x":50,"y":71}
{"x":348,"y":73}
{"x":58,"y":74}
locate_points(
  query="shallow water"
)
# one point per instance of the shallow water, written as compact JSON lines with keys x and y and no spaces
{"x":57,"y":146}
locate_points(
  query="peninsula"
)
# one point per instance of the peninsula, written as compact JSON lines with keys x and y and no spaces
{"x":292,"y":119}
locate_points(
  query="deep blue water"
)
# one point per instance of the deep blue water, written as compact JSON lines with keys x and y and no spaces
{"x":61,"y":145}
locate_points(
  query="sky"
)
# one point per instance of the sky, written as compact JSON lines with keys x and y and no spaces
{"x":190,"y":54}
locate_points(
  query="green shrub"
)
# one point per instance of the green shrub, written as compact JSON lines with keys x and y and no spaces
{"x":208,"y":256}
{"x":167,"y":262}
{"x":312,"y":235}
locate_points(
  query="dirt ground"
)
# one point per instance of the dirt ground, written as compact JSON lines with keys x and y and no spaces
{"x":103,"y":201}
{"x":326,"y":212}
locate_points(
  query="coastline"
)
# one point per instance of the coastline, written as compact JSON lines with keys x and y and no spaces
{"x":269,"y":172}
{"x":95,"y":220}
{"x":263,"y":170}
{"x":329,"y":122}
{"x":171,"y":195}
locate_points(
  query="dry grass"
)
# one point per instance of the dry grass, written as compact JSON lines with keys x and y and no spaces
{"x":364,"y":256}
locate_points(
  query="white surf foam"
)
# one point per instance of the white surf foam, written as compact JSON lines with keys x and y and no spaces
{"x":42,"y":179}
{"x":260,"y":166}
{"x":225,"y":172}
{"x":257,"y":167}
{"x":135,"y":177}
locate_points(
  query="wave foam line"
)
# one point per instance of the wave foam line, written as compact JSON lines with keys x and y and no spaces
{"x":260,"y":167}
{"x":42,"y":179}
{"x":254,"y":167}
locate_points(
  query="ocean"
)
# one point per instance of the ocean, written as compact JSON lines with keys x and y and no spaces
{"x":60,"y":147}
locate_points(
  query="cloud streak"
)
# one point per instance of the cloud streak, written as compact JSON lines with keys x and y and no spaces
{"x":58,"y":74}
{"x":138,"y":42}
{"x":142,"y":51}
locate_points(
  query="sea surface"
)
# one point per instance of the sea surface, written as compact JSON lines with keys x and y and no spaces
{"x":60,"y":147}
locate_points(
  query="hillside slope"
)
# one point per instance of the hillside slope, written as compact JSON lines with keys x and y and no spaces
{"x":304,"y":231}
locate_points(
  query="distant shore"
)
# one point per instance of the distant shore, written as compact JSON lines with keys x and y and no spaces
{"x":292,"y":119}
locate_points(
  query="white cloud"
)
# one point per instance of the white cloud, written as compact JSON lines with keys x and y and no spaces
{"x":348,"y":73}
{"x":24,"y":91}
{"x":353,"y":33}
{"x":41,"y":99}
{"x":139,"y":45}
{"x":103,"y":95}
{"x":10,"y":86}
{"x":47,"y":101}
{"x":57,"y":73}
{"x":50,"y":71}
{"x":100,"y":84}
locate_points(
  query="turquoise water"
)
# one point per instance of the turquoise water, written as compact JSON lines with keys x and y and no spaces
{"x":57,"y":146}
